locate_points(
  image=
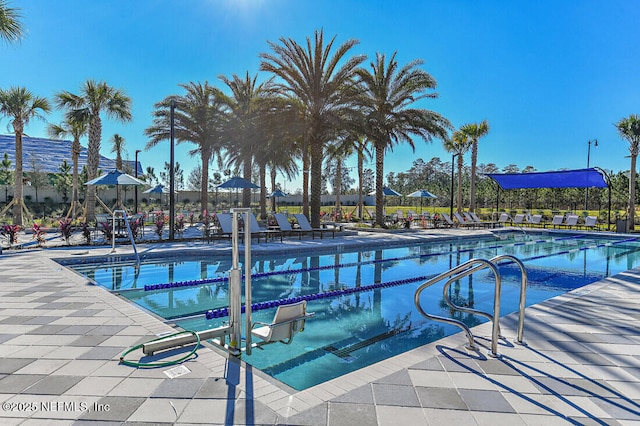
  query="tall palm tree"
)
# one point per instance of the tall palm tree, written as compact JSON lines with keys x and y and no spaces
{"x":117,"y":146}
{"x":199,"y":119}
{"x":76,"y":128}
{"x":458,"y":145}
{"x":321,"y":82}
{"x":389,"y":91}
{"x":20,"y":105}
{"x":629,"y":129}
{"x":474,"y":131}
{"x":244,"y":134}
{"x":95,"y":98}
{"x":10,"y":26}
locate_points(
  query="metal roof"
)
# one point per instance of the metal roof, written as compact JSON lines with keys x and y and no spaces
{"x":50,"y":154}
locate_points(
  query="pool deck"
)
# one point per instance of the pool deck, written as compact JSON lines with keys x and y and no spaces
{"x":61,"y":339}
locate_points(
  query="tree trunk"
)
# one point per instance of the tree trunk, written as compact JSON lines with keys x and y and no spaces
{"x":75,"y":153}
{"x":246,"y":173}
{"x":204,"y":185}
{"x":273,"y":172}
{"x":305,"y":181}
{"x":316,"y":181}
{"x":474,"y":160}
{"x":632,"y":193}
{"x":338,"y":187}
{"x":93,"y":159}
{"x":379,"y":185}
{"x":360,"y":181}
{"x":460,"y":164}
{"x":17,"y":191}
{"x":263,"y":190}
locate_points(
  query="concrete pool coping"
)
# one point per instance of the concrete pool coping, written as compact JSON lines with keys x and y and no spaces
{"x":61,"y":339}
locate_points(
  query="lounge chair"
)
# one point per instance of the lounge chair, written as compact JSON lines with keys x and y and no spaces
{"x":475,"y":219}
{"x":255,"y":228}
{"x":447,"y":220}
{"x":534,"y":219}
{"x":462,"y":221}
{"x":225,"y":220}
{"x":304,"y":224}
{"x":504,"y":218}
{"x":571,"y":221}
{"x":591,"y":222}
{"x":557,"y":220}
{"x":287,"y":322}
{"x":285,"y":226}
{"x":518,"y":219}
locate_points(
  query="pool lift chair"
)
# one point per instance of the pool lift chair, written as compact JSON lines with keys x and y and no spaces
{"x":287,"y":322}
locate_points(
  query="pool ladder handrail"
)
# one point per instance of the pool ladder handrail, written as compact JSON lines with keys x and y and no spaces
{"x":468,"y":268}
{"x":129,"y":233}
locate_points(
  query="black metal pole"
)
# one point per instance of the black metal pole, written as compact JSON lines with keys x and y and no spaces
{"x":608,"y":179}
{"x":452,"y":165}
{"x":172,"y":201}
{"x":136,"y":189}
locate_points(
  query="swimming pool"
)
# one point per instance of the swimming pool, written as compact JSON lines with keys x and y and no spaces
{"x":364,"y":306}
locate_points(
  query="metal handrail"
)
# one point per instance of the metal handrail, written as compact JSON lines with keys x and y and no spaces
{"x":468,"y":265}
{"x":468,"y":268}
{"x":113,"y":234}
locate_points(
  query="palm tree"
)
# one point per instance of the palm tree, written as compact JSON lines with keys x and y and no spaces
{"x":199,"y":119}
{"x":388,"y":93}
{"x":76,"y":128}
{"x":94,"y":99}
{"x":20,"y":105}
{"x":458,"y":145}
{"x":10,"y":26}
{"x":117,"y":146}
{"x":629,"y":129}
{"x":316,"y":79}
{"x":246,"y":103}
{"x":474,"y":132}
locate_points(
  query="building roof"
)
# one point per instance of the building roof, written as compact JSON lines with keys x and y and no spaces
{"x":50,"y":154}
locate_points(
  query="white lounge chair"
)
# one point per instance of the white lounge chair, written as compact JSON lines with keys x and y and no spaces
{"x":225,"y":220}
{"x":557,"y":220}
{"x":447,"y":220}
{"x":571,"y":220}
{"x":518,"y":219}
{"x":591,"y":222}
{"x":462,"y":221}
{"x":534,"y":219}
{"x":285,"y":226}
{"x":304,"y":224}
{"x":287,"y":322}
{"x":504,"y":218}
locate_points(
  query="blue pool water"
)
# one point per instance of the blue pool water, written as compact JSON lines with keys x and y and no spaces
{"x":354,"y":329}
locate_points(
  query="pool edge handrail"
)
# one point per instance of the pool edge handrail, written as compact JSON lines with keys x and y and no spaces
{"x":129,"y":233}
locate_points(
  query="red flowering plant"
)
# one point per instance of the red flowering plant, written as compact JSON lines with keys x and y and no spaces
{"x":192,"y":219}
{"x":11,"y":232}
{"x":206,"y":224}
{"x":66,"y":229}
{"x":38,"y":234}
{"x":160,"y":222}
{"x":178,"y":226}
{"x":107,"y":230}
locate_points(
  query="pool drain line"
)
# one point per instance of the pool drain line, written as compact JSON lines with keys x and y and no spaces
{"x":160,"y":363}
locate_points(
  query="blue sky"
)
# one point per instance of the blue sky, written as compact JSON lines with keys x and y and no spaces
{"x":547,"y":75}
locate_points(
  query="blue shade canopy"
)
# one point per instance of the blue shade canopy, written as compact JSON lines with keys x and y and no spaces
{"x":387,"y":191}
{"x":422,"y":193}
{"x":582,"y":178}
{"x":115,"y":177}
{"x":238,"y":182}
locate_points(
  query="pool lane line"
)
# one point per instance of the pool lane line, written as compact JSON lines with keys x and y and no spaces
{"x":191,"y":283}
{"x":223,"y":312}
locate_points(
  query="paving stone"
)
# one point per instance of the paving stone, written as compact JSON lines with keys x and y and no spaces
{"x":102,"y":352}
{"x":10,"y":365}
{"x":89,"y":341}
{"x":178,"y":388}
{"x":16,"y":383}
{"x":317,"y":415}
{"x":49,"y":329}
{"x":250,"y":412}
{"x":53,"y":385}
{"x":217,"y":388}
{"x":485,"y":400}
{"x":440,"y":398}
{"x":351,"y":414}
{"x":361,"y":395}
{"x":395,"y":395}
{"x":120,"y":408}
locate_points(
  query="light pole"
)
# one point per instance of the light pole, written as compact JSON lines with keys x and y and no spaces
{"x":586,"y":192}
{"x":138,"y":151}
{"x":172,"y":201}
{"x":453,"y":157}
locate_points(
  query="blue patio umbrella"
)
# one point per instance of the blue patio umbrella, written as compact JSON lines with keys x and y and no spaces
{"x":275,"y":194}
{"x":116,"y":177}
{"x":422,"y":193}
{"x":387,"y":191}
{"x":158,"y":189}
{"x":237,"y":182}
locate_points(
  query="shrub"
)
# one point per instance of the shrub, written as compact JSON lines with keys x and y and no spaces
{"x":11,"y":232}
{"x":38,"y":234}
{"x":66,"y":229}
